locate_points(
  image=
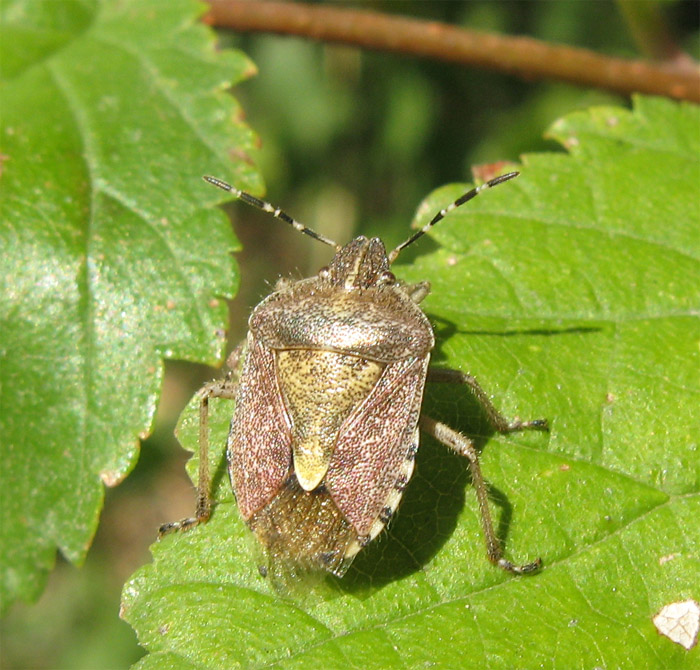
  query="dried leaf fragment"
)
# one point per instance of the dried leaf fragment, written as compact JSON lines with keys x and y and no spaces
{"x":679,"y":622}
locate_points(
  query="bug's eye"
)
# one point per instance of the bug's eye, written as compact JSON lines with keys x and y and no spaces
{"x":386,"y":278}
{"x":324,"y":273}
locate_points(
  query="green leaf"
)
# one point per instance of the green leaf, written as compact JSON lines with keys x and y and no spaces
{"x":113,"y":254}
{"x":572,"y":294}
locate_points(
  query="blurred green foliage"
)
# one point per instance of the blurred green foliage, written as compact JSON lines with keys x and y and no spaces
{"x":350,"y":142}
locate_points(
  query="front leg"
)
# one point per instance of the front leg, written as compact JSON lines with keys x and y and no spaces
{"x":496,"y":419}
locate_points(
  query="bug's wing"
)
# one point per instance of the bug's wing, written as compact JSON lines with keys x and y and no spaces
{"x":259,"y":442}
{"x":375,"y":444}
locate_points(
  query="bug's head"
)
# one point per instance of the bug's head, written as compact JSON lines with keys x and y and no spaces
{"x":360,"y":264}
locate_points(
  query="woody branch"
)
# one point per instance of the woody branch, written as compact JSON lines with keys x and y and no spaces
{"x":523,"y":56}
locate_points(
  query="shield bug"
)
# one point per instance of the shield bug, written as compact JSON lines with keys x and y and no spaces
{"x":328,"y":406}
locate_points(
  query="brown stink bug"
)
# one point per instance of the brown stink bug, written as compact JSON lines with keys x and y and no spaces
{"x":328,"y":407}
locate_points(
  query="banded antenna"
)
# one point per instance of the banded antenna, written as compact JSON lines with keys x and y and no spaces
{"x":444,"y":212}
{"x":271,"y":209}
{"x":283,"y":216}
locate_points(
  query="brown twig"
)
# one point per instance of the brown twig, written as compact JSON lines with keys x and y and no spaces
{"x":526,"y":57}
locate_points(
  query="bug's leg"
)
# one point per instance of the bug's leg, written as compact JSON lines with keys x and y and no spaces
{"x":496,"y":419}
{"x":419,"y":292}
{"x":221,"y":388}
{"x":465,"y":447}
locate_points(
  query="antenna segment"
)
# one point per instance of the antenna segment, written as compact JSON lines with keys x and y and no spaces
{"x":444,"y":212}
{"x":271,"y":209}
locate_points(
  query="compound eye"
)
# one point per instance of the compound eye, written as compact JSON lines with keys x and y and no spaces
{"x":386,"y":278}
{"x":324,"y":273}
